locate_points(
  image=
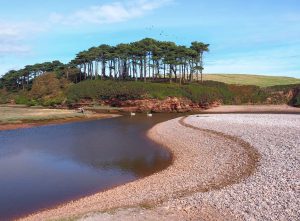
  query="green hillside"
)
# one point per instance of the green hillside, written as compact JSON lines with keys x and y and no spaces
{"x":258,"y":80}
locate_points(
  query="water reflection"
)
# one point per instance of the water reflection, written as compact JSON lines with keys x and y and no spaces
{"x":43,"y":166}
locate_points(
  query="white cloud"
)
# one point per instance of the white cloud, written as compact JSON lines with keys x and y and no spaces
{"x":12,"y":48}
{"x":12,"y":36}
{"x":18,"y":29}
{"x":15,"y":37}
{"x":109,"y":13}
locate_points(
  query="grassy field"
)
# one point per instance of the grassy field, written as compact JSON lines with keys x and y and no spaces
{"x":19,"y":114}
{"x":258,"y":80}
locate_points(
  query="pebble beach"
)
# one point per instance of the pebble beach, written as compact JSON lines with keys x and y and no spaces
{"x":225,"y":167}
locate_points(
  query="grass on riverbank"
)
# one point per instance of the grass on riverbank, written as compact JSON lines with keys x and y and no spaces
{"x":19,"y":114}
{"x":247,"y":79}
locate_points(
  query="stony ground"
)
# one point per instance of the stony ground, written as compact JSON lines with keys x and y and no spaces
{"x":273,"y":192}
{"x":226,"y":167}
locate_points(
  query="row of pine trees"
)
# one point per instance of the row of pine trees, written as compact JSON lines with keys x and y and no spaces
{"x":143,"y":60}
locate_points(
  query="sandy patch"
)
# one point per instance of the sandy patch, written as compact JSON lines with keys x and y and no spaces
{"x":253,"y":109}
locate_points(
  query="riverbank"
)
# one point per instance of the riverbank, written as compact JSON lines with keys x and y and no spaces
{"x":225,"y":167}
{"x":270,"y":193}
{"x":17,"y":116}
{"x":20,"y":116}
{"x":253,"y":109}
{"x":195,"y":168}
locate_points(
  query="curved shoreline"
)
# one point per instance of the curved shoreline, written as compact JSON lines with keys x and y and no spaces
{"x":252,"y":153}
{"x":193,"y":170}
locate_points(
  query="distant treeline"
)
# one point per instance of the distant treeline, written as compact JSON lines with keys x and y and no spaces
{"x":141,"y":60}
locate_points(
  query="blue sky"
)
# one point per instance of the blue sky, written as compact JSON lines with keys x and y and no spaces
{"x":254,"y":37}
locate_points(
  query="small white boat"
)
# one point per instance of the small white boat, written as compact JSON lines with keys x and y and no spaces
{"x":149,"y":115}
{"x":132,"y":114}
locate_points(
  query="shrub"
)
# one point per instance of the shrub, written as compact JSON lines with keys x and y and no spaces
{"x":296,"y":101}
{"x":3,"y":96}
{"x":202,"y":94}
{"x":207,"y":92}
{"x":103,"y":90}
{"x":52,"y":101}
{"x":21,"y":99}
{"x":247,"y":94}
{"x":45,"y":85}
{"x":163,"y":90}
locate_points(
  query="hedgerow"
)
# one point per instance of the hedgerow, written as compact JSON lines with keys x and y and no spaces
{"x":199,"y":93}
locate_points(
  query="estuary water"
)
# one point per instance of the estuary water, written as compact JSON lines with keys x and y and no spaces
{"x":45,"y":166}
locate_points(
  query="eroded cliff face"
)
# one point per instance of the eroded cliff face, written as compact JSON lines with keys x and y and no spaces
{"x":295,"y":101}
{"x":291,"y":97}
{"x":170,"y":104}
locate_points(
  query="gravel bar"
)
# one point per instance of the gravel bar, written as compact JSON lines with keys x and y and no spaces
{"x":272,"y":193}
{"x":225,"y":167}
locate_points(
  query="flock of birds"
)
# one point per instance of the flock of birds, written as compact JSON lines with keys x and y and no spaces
{"x":163,"y":33}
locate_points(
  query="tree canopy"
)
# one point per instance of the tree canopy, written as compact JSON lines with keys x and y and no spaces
{"x":147,"y":59}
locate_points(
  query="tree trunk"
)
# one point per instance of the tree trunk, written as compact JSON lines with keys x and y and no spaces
{"x":103,"y":68}
{"x":141,"y":69}
{"x":85,"y":71}
{"x":201,"y":66}
{"x":145,"y":69}
{"x":96,"y":69}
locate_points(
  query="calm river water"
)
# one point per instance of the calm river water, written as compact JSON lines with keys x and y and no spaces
{"x":44,"y":166}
